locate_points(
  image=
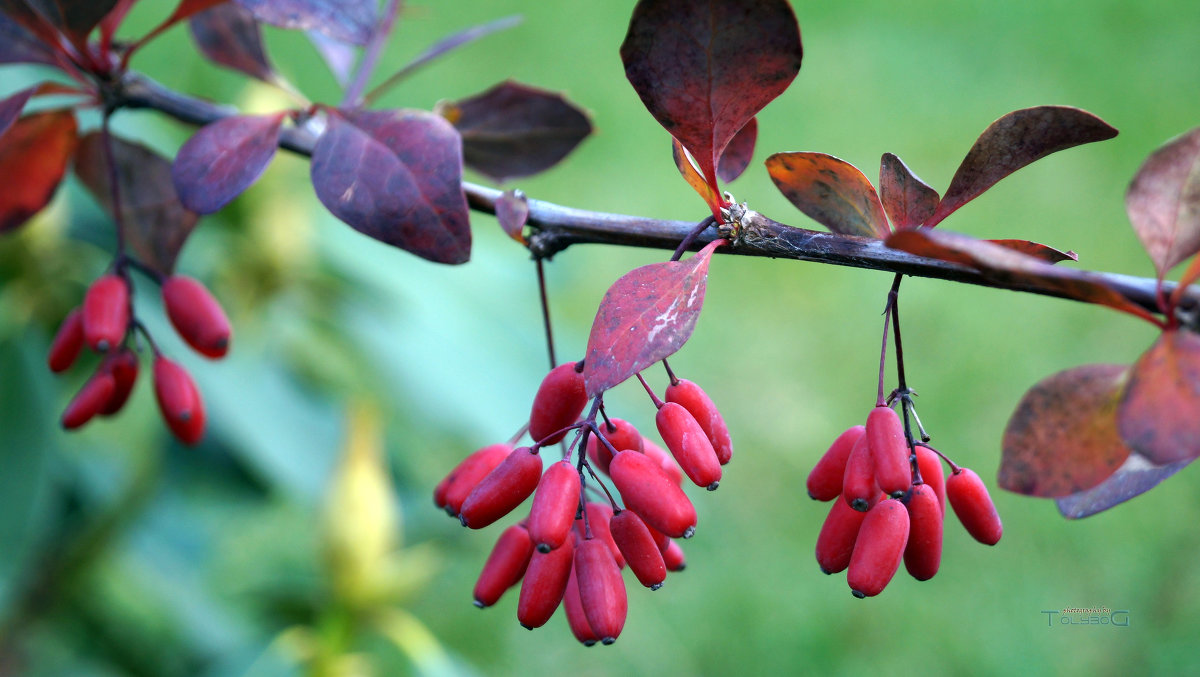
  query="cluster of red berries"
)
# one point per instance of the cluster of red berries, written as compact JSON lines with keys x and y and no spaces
{"x":892,"y":505}
{"x":105,"y":323}
{"x":570,"y":550}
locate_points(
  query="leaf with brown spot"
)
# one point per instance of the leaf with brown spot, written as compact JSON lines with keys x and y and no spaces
{"x":646,"y":315}
{"x":512,"y":211}
{"x":33,"y":158}
{"x":1135,"y":477}
{"x":1163,"y":202}
{"x":907,"y":200}
{"x":223,"y":159}
{"x":1063,"y":437}
{"x":1160,"y":412}
{"x":831,"y":191}
{"x":738,"y":153}
{"x":1014,"y":141}
{"x":230,"y":36}
{"x":1037,"y":250}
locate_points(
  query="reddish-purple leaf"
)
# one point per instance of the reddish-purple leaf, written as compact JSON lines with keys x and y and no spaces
{"x":11,"y":107}
{"x":156,"y":224}
{"x":1014,"y":141}
{"x":512,"y":130}
{"x":1002,"y":264}
{"x":395,"y":176}
{"x":223,"y":159}
{"x":1163,"y":202}
{"x":512,"y":211}
{"x":687,"y":169}
{"x":1160,"y":413}
{"x":830,"y":191}
{"x":33,"y":158}
{"x":1135,"y":477}
{"x":738,"y":153}
{"x":32,"y":22}
{"x":645,"y":316}
{"x":229,"y":35}
{"x":183,"y":11}
{"x":346,"y":20}
{"x":1037,"y":250}
{"x":1063,"y":437}
{"x":112,"y":21}
{"x":75,"y":18}
{"x":339,"y":56}
{"x":447,"y":44}
{"x":908,"y":200}
{"x":18,"y":45}
{"x":704,"y":68}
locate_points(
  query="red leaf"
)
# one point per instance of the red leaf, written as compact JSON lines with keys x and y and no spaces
{"x":1163,"y":202}
{"x":738,"y":153}
{"x":907,"y":199}
{"x":156,"y":224}
{"x":112,"y":20}
{"x":830,"y":191}
{"x":1063,"y":437}
{"x":645,"y":316}
{"x":346,"y":20}
{"x":1002,"y":264}
{"x":229,"y":35}
{"x":687,"y":169}
{"x":223,"y":159}
{"x":395,"y":176}
{"x":1160,"y":413}
{"x":33,"y":24}
{"x":1037,"y":250}
{"x":11,"y":107}
{"x":18,"y":45}
{"x":33,"y":158}
{"x":512,"y":130}
{"x":512,"y":211}
{"x":704,"y":68}
{"x":1135,"y":477}
{"x":1013,"y":141}
{"x":75,"y":18}
{"x":184,"y":10}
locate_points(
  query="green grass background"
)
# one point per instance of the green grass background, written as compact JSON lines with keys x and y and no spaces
{"x":220,"y":558}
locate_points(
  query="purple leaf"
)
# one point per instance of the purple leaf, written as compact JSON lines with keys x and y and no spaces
{"x":229,"y":35}
{"x":396,"y":176}
{"x":1163,"y":202}
{"x":1160,"y":413}
{"x":11,"y":107}
{"x":704,"y":68}
{"x":1014,"y":141}
{"x":907,"y":199}
{"x":1135,"y":477}
{"x":738,"y":153}
{"x":512,"y":130}
{"x":75,"y":18}
{"x":223,"y":159}
{"x":156,"y":224}
{"x":512,"y":211}
{"x":831,"y":191}
{"x":346,"y":20}
{"x":645,"y":316}
{"x":18,"y":45}
{"x":447,"y":44}
{"x":338,"y":56}
{"x":33,"y":158}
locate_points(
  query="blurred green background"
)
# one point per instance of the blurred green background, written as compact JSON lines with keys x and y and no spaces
{"x":126,"y":554}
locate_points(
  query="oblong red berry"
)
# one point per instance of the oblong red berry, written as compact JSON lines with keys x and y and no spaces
{"x":878,"y":548}
{"x":689,"y":445}
{"x":664,"y":459}
{"x":825,"y":481}
{"x":601,"y":590}
{"x":178,"y":400}
{"x":835,"y":543}
{"x":559,"y":400}
{"x":639,"y":548}
{"x":858,"y":484}
{"x":457,"y":485}
{"x":971,"y":502}
{"x":923,"y":554}
{"x":196,"y":315}
{"x":576,"y":618}
{"x":620,"y":434}
{"x":88,"y":401}
{"x":106,"y":312}
{"x":123,"y":365}
{"x":701,"y":407}
{"x":930,"y":465}
{"x":647,"y":490}
{"x":555,"y":503}
{"x":889,"y":451}
{"x":599,"y":515}
{"x":544,"y":584}
{"x":673,"y":557}
{"x":504,"y":488}
{"x":67,"y":343}
{"x":504,"y":566}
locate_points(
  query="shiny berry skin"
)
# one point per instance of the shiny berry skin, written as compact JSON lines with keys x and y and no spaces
{"x":621,"y":434}
{"x":123,"y":365}
{"x":971,"y":502}
{"x":555,"y":503}
{"x":889,"y":451}
{"x":454,"y":489}
{"x":835,"y":544}
{"x":664,"y":459}
{"x":639,"y":548}
{"x":178,"y":400}
{"x":647,"y":490}
{"x":106,"y":312}
{"x":505,"y":565}
{"x":825,"y":481}
{"x":599,"y":515}
{"x":88,"y":401}
{"x":673,"y":557}
{"x":196,"y":315}
{"x":68,"y":342}
{"x":930,"y":465}
{"x":878,"y":549}
{"x":689,"y":445}
{"x":504,"y":488}
{"x":923,"y":554}
{"x":544,"y":584}
{"x":858,"y":484}
{"x":601,"y":590}
{"x":559,"y":400}
{"x":693,"y":398}
{"x":576,"y":617}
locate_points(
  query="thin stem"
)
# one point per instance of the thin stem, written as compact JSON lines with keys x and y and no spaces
{"x":545,"y":301}
{"x":366,"y":67}
{"x":512,"y":441}
{"x":894,"y":304}
{"x":114,"y":182}
{"x":692,"y":235}
{"x":887,"y":316}
{"x":649,"y":391}
{"x":612,"y":501}
{"x":953,"y":466}
{"x":670,"y":374}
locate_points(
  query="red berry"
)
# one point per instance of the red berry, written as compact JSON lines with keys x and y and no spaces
{"x":196,"y":315}
{"x":889,"y":451}
{"x":825,"y":480}
{"x":576,"y":617}
{"x":878,"y":549}
{"x":178,"y":400}
{"x":601,"y":590}
{"x":559,"y":401}
{"x":88,"y":401}
{"x":68,"y":341}
{"x":505,"y":565}
{"x":106,"y":312}
{"x":858,"y":485}
{"x":836,"y":541}
{"x":554,"y":506}
{"x":504,"y":488}
{"x":123,"y":365}
{"x":673,"y":557}
{"x":639,"y":548}
{"x":689,"y":445}
{"x":621,"y":434}
{"x":647,"y":490}
{"x":544,"y":584}
{"x":930,"y":465}
{"x":664,"y":459}
{"x":598,"y":517}
{"x":971,"y":502}
{"x":701,"y":407}
{"x":454,"y":489}
{"x":923,"y":554}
